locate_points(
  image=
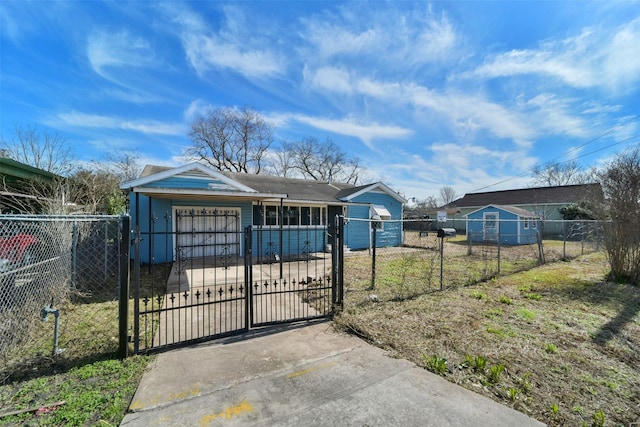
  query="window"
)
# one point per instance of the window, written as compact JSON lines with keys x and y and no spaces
{"x":292,"y":216}
{"x":271,"y":215}
{"x":318,"y":216}
{"x":526,"y":223}
{"x":305,"y":215}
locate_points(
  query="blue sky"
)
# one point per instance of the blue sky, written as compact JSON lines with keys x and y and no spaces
{"x":468,"y":94}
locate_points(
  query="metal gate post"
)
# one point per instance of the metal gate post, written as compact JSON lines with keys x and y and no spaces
{"x":248,"y":276}
{"x":123,"y":303}
{"x":337,"y":263}
{"x":136,"y":290}
{"x":340,"y":298}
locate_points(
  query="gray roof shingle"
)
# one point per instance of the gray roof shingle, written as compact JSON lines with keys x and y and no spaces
{"x":531,"y":196}
{"x":296,"y":189}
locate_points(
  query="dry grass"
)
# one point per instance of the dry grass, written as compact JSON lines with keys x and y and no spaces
{"x":568,"y":340}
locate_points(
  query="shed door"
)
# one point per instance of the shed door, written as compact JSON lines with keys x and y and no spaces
{"x":490,"y":226}
{"x":207,"y":232}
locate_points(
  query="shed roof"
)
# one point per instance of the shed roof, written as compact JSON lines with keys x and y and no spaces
{"x":13,"y":170}
{"x":562,"y":194}
{"x":511,"y":209}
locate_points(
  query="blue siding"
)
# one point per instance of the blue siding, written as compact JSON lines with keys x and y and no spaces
{"x":295,"y":242}
{"x":161,"y":243}
{"x":358,"y":232}
{"x":511,"y":229}
{"x":185,"y":183}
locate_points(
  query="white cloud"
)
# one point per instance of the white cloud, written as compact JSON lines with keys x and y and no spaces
{"x":594,"y":58}
{"x":194,"y":109}
{"x":207,"y":52}
{"x":106,"y":49}
{"x":107,"y":122}
{"x":331,"y":79}
{"x":233,"y":47}
{"x":366,"y":132}
{"x":554,"y":116}
{"x":412,"y":36}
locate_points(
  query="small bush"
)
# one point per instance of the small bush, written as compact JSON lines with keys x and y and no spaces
{"x":478,"y":295}
{"x":435,"y":364}
{"x":506,"y":300}
{"x":551,"y":348}
{"x":495,"y":372}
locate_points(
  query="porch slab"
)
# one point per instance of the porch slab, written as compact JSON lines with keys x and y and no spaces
{"x":192,"y":274}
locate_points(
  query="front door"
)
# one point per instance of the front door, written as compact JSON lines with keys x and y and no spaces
{"x":490,"y":226}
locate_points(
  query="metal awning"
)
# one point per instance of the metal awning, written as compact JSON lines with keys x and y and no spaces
{"x":381,"y":211}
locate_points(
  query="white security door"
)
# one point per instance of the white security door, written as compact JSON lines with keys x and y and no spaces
{"x":207,"y":232}
{"x":490,"y":226}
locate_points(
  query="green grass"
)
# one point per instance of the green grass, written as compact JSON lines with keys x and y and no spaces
{"x":96,"y":393}
{"x":94,"y":385}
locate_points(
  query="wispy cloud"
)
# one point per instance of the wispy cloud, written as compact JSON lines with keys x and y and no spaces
{"x":232,"y":47}
{"x":366,"y":132}
{"x":403,"y":37}
{"x":594,"y":58}
{"x":108,"y":122}
{"x":464,"y":112}
{"x":113,"y":50}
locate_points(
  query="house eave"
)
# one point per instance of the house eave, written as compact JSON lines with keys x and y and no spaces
{"x":378,"y":185}
{"x":175,"y":193}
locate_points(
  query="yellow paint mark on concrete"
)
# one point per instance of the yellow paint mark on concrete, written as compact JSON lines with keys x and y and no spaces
{"x":139,"y":404}
{"x":307,"y":371}
{"x":228,"y":413}
{"x":193,"y":391}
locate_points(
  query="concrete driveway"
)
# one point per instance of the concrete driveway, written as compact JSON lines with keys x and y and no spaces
{"x":303,"y":375}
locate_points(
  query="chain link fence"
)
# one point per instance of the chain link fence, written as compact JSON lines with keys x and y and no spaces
{"x":58,"y":288}
{"x":426,"y":262}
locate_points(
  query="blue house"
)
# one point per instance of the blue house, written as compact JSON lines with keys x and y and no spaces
{"x":505,"y":224}
{"x":195,"y":211}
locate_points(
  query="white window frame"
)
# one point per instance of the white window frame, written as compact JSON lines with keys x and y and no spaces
{"x":279,"y":218}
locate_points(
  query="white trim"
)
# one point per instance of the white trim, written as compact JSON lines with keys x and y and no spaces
{"x":200,"y":192}
{"x":381,"y":211}
{"x":385,"y":188}
{"x":181,"y":170}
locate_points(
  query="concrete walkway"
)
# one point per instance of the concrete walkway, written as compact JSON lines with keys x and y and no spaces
{"x":303,"y":375}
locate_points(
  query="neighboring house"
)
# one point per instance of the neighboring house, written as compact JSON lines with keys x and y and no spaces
{"x":289,"y":213}
{"x":16,"y":194}
{"x":505,"y":224}
{"x":544,"y":202}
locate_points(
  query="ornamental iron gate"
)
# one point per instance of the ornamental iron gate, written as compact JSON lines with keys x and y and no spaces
{"x":240,"y":279}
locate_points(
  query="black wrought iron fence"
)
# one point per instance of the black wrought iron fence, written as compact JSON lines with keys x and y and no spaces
{"x":58,"y":287}
{"x":426,"y":262}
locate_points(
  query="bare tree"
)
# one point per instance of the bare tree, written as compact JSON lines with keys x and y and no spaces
{"x":43,"y":150}
{"x":231,"y":139}
{"x":94,"y":192}
{"x":282,"y":163}
{"x":554,"y":174}
{"x":310,"y":158}
{"x":125,"y":166}
{"x":620,"y":182}
{"x":40,"y":193}
{"x":447,"y":194}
